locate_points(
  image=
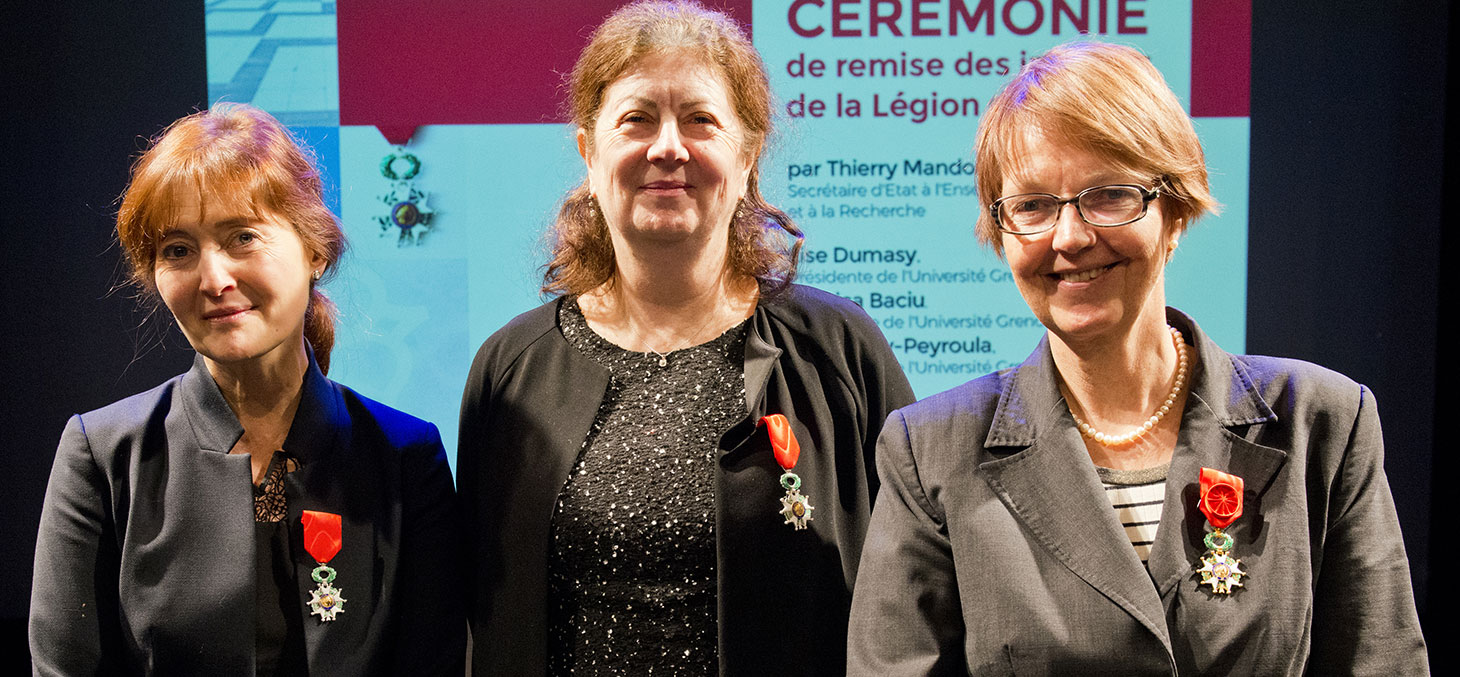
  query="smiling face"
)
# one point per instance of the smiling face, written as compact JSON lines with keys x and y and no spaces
{"x":665,"y":157}
{"x":238,"y":284}
{"x":1085,"y":283}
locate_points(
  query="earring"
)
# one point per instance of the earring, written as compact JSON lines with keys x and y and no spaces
{"x":317,"y":274}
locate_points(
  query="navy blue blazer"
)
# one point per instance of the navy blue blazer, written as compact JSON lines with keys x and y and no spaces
{"x":993,"y":549}
{"x":145,"y":559}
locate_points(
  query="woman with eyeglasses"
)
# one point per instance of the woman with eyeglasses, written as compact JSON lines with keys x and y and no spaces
{"x":1131,"y":499}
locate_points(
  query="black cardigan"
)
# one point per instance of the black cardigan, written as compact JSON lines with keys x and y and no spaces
{"x":145,"y":559}
{"x":783,"y":594}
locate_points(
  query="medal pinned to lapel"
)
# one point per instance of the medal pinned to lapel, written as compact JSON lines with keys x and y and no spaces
{"x":1221,"y":502}
{"x":795,"y":506}
{"x":322,"y":539}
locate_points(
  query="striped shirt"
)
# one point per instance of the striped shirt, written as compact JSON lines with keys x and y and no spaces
{"x":1137,"y":497}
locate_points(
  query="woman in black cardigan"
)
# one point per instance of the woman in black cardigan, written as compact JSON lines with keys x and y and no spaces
{"x":249,"y":516}
{"x":627,"y":460}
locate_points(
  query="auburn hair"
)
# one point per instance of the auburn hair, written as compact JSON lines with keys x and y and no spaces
{"x":242,"y":156}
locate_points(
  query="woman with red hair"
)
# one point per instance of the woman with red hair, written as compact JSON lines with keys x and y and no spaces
{"x":249,"y":516}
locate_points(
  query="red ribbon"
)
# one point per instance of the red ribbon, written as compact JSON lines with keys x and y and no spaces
{"x":1221,"y":497}
{"x":783,"y":441}
{"x":321,"y":535}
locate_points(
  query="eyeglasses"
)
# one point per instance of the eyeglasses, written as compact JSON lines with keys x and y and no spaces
{"x":1103,"y":206}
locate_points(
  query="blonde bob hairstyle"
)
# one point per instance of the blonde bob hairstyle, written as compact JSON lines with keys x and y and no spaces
{"x":764,"y":242}
{"x":1108,"y":100}
{"x":244,"y":157}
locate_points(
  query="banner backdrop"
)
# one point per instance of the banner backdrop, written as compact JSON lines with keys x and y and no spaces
{"x":440,"y":132}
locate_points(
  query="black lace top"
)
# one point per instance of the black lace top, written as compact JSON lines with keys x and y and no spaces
{"x":632,"y":582}
{"x":279,"y":629}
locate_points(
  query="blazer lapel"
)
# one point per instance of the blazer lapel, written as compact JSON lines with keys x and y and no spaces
{"x":327,"y":481}
{"x":1051,"y":486}
{"x":1222,"y":399}
{"x":204,"y":511}
{"x":212,"y":422}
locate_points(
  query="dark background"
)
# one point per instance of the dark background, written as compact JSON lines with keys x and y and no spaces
{"x":1350,"y":163}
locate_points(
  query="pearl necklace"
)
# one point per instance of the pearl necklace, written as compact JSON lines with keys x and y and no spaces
{"x":1150,"y":424}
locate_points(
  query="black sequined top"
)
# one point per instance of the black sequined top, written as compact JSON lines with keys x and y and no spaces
{"x":631,"y":567}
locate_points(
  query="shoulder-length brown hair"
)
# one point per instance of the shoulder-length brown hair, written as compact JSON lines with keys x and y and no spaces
{"x":764,"y":242}
{"x":241,"y":155}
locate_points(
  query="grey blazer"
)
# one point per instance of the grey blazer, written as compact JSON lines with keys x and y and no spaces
{"x":145,"y":558}
{"x":993,"y":550}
